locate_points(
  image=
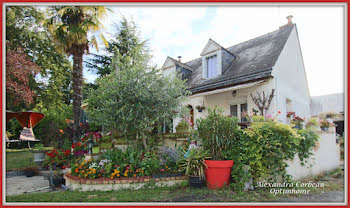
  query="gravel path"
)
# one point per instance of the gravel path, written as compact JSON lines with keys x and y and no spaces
{"x":22,"y":184}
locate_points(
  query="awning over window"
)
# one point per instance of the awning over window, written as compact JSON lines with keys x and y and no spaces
{"x":236,"y":87}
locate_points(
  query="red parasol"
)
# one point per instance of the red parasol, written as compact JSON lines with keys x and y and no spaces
{"x":26,"y":119}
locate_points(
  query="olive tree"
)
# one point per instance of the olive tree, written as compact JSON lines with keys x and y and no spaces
{"x":135,"y":100}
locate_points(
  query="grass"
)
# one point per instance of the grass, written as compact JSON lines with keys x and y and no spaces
{"x":19,"y":160}
{"x":164,"y":194}
{"x":182,"y":193}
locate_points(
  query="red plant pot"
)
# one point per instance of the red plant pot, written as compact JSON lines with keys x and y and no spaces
{"x":218,"y":173}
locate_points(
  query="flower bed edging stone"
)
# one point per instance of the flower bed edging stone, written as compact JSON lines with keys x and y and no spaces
{"x":107,"y":184}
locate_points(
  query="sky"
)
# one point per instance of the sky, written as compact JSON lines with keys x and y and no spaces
{"x":184,"y":31}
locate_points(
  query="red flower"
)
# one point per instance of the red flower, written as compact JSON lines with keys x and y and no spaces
{"x":162,"y":170}
{"x":278,"y":112}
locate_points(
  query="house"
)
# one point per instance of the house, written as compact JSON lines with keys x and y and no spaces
{"x":330,"y":104}
{"x":229,"y":77}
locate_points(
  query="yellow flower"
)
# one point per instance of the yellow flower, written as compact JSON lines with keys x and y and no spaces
{"x":126,"y":175}
{"x":86,"y":175}
{"x":118,"y":175}
{"x":166,"y":167}
{"x":134,"y":175}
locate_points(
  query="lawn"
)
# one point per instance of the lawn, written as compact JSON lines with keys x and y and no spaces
{"x":19,"y":159}
{"x":181,"y":193}
{"x":175,"y":194}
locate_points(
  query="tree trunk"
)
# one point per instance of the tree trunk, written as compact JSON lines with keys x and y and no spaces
{"x":77,"y":92}
{"x":144,"y":142}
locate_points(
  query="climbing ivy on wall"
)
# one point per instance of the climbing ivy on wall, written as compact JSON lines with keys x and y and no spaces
{"x":263,"y":149}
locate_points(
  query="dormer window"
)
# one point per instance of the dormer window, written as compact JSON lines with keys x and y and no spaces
{"x":211,"y":67}
{"x":215,"y":59}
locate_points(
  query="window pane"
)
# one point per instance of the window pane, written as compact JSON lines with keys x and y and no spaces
{"x":244,"y":107}
{"x":244,"y":110}
{"x":211,"y":64}
{"x":233,"y":110}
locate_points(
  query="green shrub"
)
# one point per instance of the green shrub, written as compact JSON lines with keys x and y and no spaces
{"x":306,"y":145}
{"x":267,"y":147}
{"x":218,"y":133}
{"x":48,"y":130}
{"x":14,"y":129}
{"x":192,"y":163}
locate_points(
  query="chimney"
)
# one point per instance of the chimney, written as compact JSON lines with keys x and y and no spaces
{"x":289,"y":18}
{"x":179,"y":58}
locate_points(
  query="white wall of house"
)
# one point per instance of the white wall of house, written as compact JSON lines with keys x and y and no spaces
{"x":290,"y":80}
{"x":326,"y":158}
{"x":171,"y":71}
{"x":225,"y":100}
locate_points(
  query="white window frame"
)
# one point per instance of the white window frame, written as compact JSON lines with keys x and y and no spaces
{"x":218,"y":55}
{"x":239,"y":110}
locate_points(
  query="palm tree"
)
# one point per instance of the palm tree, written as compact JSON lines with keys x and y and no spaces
{"x":70,"y":26}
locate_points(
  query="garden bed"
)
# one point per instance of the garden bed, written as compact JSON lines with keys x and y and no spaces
{"x":107,"y":184}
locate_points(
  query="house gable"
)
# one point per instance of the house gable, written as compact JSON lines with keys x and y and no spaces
{"x":169,"y":62}
{"x":291,"y":83}
{"x":173,"y":67}
{"x":210,"y":47}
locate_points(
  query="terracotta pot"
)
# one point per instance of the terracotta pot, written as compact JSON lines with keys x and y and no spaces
{"x":218,"y":173}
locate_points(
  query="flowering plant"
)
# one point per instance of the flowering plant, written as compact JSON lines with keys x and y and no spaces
{"x":324,"y":123}
{"x":311,"y":122}
{"x":297,"y":120}
{"x":95,"y":136}
{"x":290,"y":114}
{"x":79,"y":148}
{"x":57,"y":158}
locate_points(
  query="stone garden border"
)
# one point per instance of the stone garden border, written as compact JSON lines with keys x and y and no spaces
{"x":107,"y":184}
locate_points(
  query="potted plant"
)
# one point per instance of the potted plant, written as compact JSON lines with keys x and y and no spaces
{"x":298,"y":122}
{"x":218,"y":134}
{"x":193,"y":165}
{"x":39,"y":153}
{"x":332,"y":115}
{"x":183,"y":127}
{"x":311,"y":125}
{"x":57,"y":178}
{"x":324,"y":124}
{"x":96,"y":138}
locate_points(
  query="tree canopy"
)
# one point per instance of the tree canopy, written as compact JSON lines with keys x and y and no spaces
{"x":24,"y":29}
{"x":73,"y":29}
{"x":20,"y":70}
{"x":125,"y":45}
{"x":135,"y":100}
